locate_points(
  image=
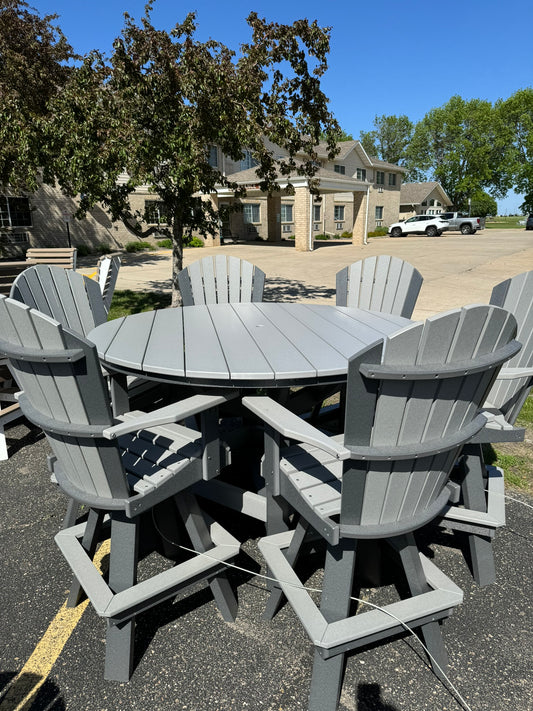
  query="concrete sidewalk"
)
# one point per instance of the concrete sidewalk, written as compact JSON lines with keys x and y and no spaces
{"x":457,"y":269}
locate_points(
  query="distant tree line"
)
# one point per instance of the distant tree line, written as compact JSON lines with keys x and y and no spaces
{"x":475,"y":149}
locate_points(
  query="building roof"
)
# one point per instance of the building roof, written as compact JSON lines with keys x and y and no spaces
{"x":330,"y":181}
{"x":346,"y":147}
{"x":416,"y":193}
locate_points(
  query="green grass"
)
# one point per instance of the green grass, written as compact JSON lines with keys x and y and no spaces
{"x":504,"y":223}
{"x":133,"y":302}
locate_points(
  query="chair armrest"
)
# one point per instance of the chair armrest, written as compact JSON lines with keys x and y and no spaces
{"x":290,"y":425}
{"x":170,"y":413}
{"x":513,"y":373}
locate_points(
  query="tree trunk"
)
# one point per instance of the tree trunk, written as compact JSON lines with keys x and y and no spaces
{"x":177,"y":260}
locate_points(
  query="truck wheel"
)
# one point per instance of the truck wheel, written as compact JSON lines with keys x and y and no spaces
{"x":396,"y":232}
{"x":466,"y":229}
{"x":431,"y":231}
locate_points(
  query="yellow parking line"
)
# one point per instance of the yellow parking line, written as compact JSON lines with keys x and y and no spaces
{"x":33,"y":675}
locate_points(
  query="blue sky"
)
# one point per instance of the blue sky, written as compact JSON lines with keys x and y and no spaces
{"x":387,"y":57}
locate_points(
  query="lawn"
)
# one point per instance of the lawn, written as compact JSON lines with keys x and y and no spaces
{"x":505,"y":223}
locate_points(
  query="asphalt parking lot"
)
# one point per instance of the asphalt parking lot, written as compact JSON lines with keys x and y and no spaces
{"x":187,"y":657}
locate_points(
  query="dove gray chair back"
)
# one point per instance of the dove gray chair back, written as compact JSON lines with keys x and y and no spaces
{"x":67,"y":296}
{"x":412,"y":402}
{"x":122,"y":473}
{"x":221,"y":279}
{"x":514,"y":385}
{"x":380,"y":283}
{"x":480,"y":510}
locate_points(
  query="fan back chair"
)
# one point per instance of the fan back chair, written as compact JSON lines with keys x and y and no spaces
{"x":220,"y":279}
{"x":119,"y":468}
{"x":411,"y":404}
{"x":481,"y":510}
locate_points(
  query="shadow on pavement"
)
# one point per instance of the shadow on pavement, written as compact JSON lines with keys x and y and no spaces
{"x":280,"y":289}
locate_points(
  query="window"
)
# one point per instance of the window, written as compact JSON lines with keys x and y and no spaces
{"x":286,"y":213}
{"x":432,"y":202}
{"x":380,"y":177}
{"x":361,"y":173}
{"x":340,"y":169}
{"x":155,"y":212}
{"x":212,"y":157}
{"x":379,"y":212}
{"x":251,"y":213}
{"x":286,"y":228}
{"x":425,"y":203}
{"x":338,"y":213}
{"x":248,"y":161}
{"x":14,"y":212}
{"x":392,"y":178}
{"x":316,"y":213}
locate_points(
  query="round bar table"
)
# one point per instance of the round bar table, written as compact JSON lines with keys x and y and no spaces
{"x":238,"y":345}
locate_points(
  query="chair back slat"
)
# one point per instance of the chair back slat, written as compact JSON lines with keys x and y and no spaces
{"x":67,"y":296}
{"x":221,"y":280}
{"x":515,"y":295}
{"x":383,"y":283}
{"x":416,"y":404}
{"x":107,"y":275}
{"x":65,"y":392}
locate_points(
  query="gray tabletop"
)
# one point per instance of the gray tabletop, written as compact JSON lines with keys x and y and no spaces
{"x":240,"y":345}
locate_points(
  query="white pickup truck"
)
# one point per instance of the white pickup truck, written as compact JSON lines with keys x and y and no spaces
{"x":462,"y":223}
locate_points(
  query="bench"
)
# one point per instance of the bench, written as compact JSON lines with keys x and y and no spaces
{"x":59,"y":256}
{"x":9,"y":271}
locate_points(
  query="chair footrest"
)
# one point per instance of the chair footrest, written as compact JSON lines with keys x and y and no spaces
{"x":337,"y":637}
{"x":144,"y":595}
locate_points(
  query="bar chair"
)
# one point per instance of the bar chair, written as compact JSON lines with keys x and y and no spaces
{"x":221,"y":280}
{"x":480,"y":511}
{"x":412,"y":402}
{"x":120,"y":468}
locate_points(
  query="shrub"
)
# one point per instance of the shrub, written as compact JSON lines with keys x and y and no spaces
{"x":165,"y":243}
{"x":346,"y":235}
{"x":103,"y":249}
{"x":83,"y":250}
{"x":138,"y":246}
{"x":196,"y":242}
{"x":378,"y":232}
{"x":322,"y":236}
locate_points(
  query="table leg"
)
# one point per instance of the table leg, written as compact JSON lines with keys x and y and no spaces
{"x":120,"y":401}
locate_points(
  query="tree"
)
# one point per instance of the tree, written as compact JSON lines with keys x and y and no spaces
{"x":156,"y":106}
{"x":482,"y":204}
{"x":389,"y":139}
{"x":516,"y":117}
{"x":34,"y":56}
{"x":461,"y":146}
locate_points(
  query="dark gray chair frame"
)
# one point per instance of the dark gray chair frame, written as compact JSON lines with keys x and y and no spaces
{"x":119,"y":468}
{"x":411,"y":405}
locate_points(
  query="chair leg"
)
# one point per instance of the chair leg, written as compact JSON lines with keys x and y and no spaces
{"x":293,"y":551}
{"x":475,"y":498}
{"x":198,"y":531}
{"x":326,"y":682}
{"x":122,"y":575}
{"x":416,"y":580}
{"x":71,"y":514}
{"x":89,"y":543}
